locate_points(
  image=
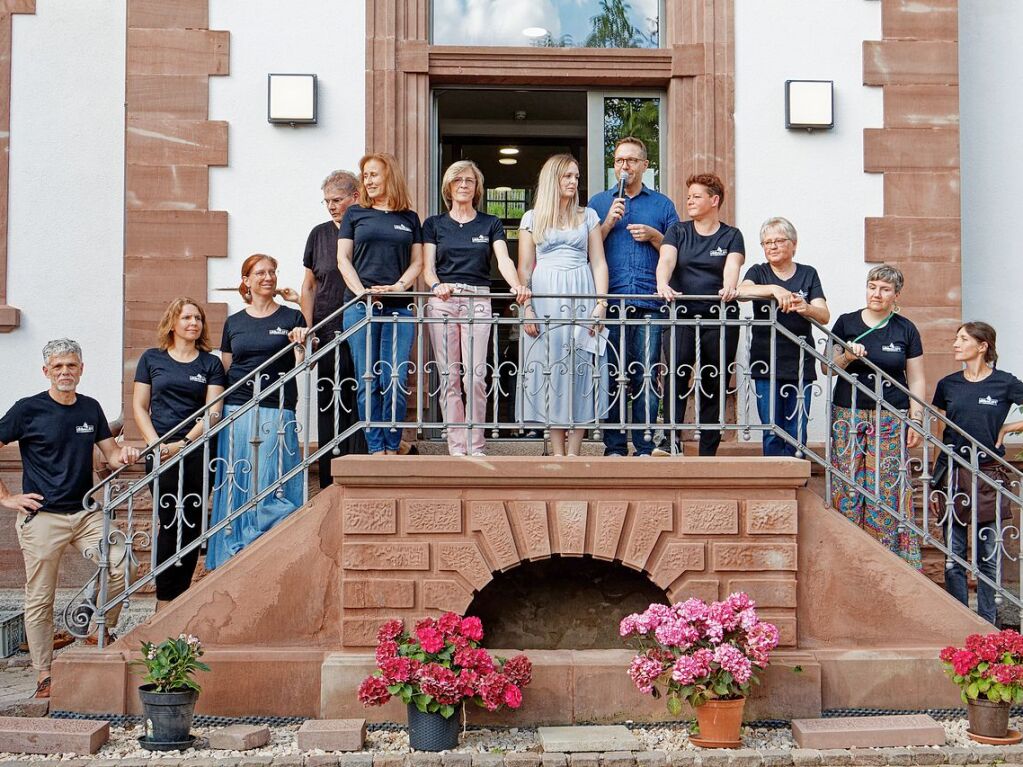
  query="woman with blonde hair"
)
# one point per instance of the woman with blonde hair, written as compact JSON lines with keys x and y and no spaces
{"x":561,"y":253}
{"x":251,"y":338}
{"x":458,"y":246}
{"x":380,"y":251}
{"x":173,"y":381}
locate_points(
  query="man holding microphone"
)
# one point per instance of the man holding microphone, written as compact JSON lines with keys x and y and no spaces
{"x":634,"y":219}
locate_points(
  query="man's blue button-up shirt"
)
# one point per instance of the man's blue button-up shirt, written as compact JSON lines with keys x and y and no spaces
{"x":631,"y":265}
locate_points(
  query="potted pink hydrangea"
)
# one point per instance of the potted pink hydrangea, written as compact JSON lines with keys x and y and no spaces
{"x":706,"y":654}
{"x":989,"y":673}
{"x":435,"y":669}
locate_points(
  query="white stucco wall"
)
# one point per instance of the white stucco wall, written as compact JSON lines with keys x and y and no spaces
{"x":991,"y":106}
{"x":272,"y":186}
{"x":66,"y":210}
{"x":814,"y":180}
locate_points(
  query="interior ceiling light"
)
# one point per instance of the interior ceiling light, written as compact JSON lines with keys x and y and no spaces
{"x":509,"y":150}
{"x":507,"y":161}
{"x":534,"y":32}
{"x":496,"y":189}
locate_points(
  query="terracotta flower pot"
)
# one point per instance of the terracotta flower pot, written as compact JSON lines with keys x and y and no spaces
{"x":990,"y":720}
{"x":720,"y":721}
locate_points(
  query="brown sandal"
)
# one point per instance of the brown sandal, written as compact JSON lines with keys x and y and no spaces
{"x":43,"y":689}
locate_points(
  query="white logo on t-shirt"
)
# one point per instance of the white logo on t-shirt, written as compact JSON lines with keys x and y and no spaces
{"x":481,"y":238}
{"x":198,"y":378}
{"x":987,"y":401}
{"x":894,"y":348}
{"x":801,"y":293}
{"x":719,"y":252}
{"x":402,"y":227}
{"x":278,"y":331}
{"x":85,"y":428}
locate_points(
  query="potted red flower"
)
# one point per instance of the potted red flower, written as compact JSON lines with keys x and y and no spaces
{"x":989,"y":674}
{"x":705,"y":654}
{"x":435,"y":669}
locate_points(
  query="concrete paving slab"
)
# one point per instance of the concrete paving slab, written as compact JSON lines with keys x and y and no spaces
{"x":868,"y":732}
{"x":588,"y":739}
{"x":332,"y":734}
{"x":239,"y":737}
{"x":22,"y":735}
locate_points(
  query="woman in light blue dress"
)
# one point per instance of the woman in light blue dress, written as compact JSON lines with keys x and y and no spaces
{"x":563,"y":379}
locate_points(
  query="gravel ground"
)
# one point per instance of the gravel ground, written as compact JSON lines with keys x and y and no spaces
{"x":123,"y":742}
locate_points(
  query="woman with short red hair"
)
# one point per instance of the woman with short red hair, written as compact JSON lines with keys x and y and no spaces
{"x":252,"y":337}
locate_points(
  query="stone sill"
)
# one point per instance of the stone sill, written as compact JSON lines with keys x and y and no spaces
{"x":10,"y":318}
{"x":863,"y":757}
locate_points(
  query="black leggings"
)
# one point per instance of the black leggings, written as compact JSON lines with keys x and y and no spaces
{"x":175,"y":580}
{"x":711,"y":368}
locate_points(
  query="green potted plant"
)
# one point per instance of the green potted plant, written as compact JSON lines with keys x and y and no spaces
{"x":989,"y":674}
{"x":705,"y":654}
{"x":169,"y":691}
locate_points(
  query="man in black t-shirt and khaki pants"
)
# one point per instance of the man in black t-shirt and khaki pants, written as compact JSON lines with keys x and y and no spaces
{"x":55,"y":431}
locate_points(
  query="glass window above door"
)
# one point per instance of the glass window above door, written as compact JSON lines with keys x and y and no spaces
{"x":547,"y":23}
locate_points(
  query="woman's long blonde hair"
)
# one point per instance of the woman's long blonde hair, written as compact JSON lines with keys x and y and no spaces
{"x":547,"y":206}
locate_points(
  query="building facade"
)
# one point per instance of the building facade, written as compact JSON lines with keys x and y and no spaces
{"x":139,"y":164}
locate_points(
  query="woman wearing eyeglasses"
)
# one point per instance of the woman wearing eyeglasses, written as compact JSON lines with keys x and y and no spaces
{"x":797,"y":291}
{"x":458,"y":246}
{"x":867,"y":445}
{"x":251,"y":338}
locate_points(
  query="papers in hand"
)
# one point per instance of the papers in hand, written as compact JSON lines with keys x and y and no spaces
{"x":592,"y":344}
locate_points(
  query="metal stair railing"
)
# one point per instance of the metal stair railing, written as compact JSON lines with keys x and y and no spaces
{"x":513,"y":362}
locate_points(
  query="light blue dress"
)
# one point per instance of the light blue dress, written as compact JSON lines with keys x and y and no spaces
{"x":562,"y":383}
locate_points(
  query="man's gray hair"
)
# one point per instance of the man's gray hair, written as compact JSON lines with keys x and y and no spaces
{"x":59,"y":347}
{"x":344,"y":180}
{"x":887,"y":273}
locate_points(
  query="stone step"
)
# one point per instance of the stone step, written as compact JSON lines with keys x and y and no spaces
{"x":21,"y":735}
{"x":332,"y":734}
{"x":566,"y":740}
{"x":868,"y":732}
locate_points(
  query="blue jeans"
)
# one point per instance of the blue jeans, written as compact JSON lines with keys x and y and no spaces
{"x":642,"y":353}
{"x":377,"y":394}
{"x":987,"y":563}
{"x":787,"y":414}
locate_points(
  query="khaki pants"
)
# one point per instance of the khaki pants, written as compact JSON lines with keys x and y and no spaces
{"x":42,"y":541}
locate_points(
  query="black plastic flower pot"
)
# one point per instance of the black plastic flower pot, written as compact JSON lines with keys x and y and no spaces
{"x":431,"y":732}
{"x":168,"y":714}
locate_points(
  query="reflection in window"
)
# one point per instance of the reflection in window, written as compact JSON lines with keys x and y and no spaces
{"x":639,"y":117}
{"x":547,"y":23}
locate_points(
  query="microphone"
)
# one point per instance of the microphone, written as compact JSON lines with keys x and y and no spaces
{"x":622,"y":181}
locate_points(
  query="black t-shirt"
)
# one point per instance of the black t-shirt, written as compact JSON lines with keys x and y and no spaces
{"x":178,"y":389}
{"x":888,"y":348}
{"x":321,"y":258}
{"x":56,"y":442}
{"x":700,"y":268}
{"x":251,"y":342}
{"x":806,"y":283}
{"x":383,"y":245}
{"x":463,"y":250}
{"x":977,"y":407}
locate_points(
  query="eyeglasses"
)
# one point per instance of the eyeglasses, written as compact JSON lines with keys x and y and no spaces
{"x":629,"y":160}
{"x":263,"y":273}
{"x":768,"y":244}
{"x":464,"y":180}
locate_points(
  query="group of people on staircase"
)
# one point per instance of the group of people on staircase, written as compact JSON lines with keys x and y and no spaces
{"x":629,"y":240}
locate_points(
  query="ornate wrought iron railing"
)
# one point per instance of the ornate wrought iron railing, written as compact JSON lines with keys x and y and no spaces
{"x":521,"y":373}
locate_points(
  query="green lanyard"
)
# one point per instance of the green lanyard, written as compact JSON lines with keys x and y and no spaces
{"x":868,"y":331}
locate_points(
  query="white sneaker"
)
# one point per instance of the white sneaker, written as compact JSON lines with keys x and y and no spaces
{"x":479,"y":454}
{"x":457,"y":454}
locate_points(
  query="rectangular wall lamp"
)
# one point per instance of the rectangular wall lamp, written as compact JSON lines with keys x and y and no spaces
{"x":291,"y":99}
{"x":810,"y":104}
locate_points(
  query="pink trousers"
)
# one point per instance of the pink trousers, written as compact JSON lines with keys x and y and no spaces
{"x":451,"y":350}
